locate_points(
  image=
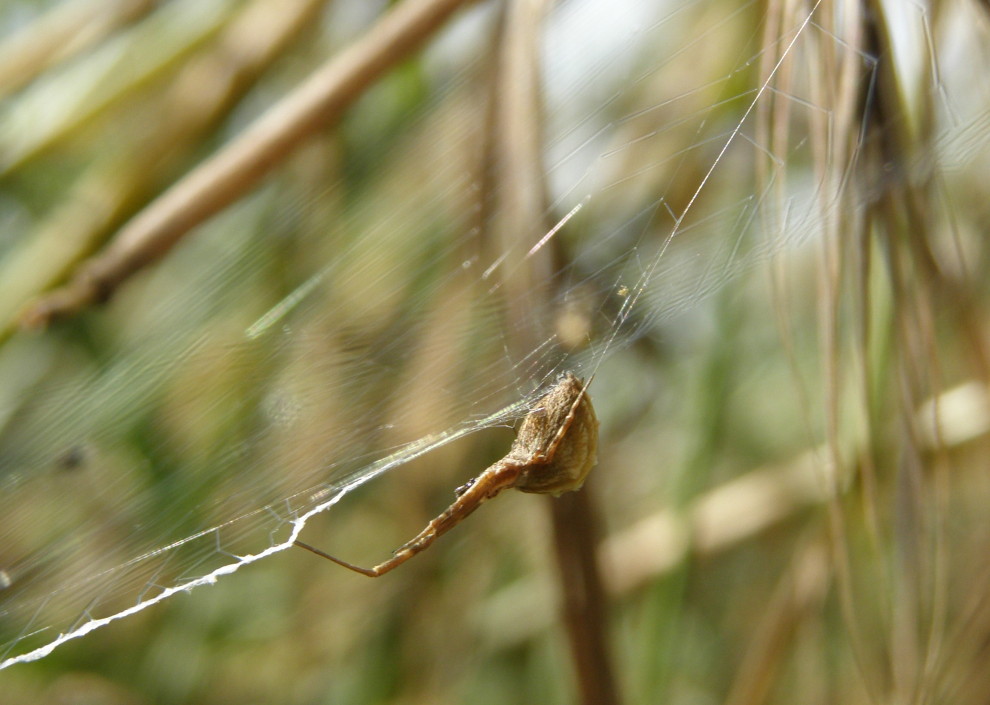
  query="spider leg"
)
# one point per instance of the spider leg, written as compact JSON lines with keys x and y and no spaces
{"x":370,"y":572}
{"x":488,"y":484}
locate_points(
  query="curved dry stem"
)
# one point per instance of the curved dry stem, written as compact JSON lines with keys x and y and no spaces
{"x":236,"y":169}
{"x":116,"y":186}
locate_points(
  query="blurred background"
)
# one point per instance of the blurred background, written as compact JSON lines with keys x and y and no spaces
{"x":272,"y":264}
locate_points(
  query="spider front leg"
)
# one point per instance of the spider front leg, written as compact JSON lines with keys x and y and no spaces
{"x":553,"y":452}
{"x":489,"y":483}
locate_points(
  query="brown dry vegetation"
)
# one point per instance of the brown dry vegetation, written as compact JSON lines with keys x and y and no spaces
{"x":253,"y":250}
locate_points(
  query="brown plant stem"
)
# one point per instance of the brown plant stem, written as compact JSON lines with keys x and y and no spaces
{"x":237,"y":168}
{"x":575,"y":538}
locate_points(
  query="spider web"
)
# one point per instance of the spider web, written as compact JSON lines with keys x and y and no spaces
{"x":307,"y":341}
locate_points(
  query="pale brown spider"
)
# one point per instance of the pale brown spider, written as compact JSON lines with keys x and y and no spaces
{"x":553,"y":452}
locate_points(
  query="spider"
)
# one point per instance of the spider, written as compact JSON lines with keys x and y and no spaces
{"x":553,"y":451}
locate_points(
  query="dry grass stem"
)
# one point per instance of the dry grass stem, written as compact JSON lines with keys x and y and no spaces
{"x":115,"y":186}
{"x":236,"y":169}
